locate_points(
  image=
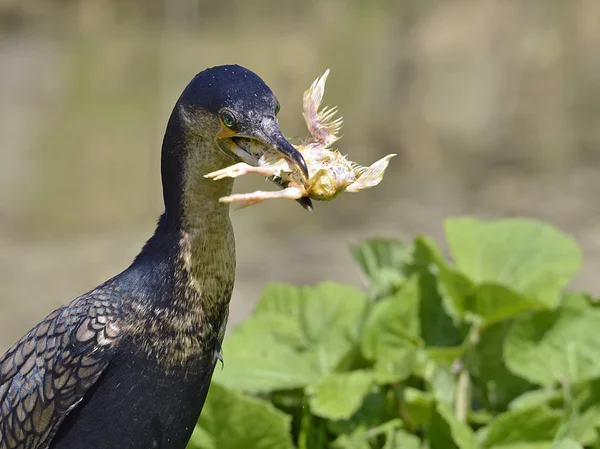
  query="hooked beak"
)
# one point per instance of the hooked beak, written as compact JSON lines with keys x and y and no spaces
{"x":248,"y":145}
{"x":284,"y":147}
{"x":281,"y":145}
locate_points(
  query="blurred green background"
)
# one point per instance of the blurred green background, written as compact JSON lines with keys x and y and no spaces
{"x":493,"y":107}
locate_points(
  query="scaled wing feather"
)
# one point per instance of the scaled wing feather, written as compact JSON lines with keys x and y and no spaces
{"x":46,"y":374}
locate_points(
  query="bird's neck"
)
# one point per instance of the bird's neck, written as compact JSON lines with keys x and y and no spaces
{"x":207,"y":243}
{"x":183,"y":284}
{"x":192,"y":255}
{"x":190,"y":199}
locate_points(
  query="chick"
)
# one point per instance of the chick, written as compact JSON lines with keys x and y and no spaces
{"x":330,"y":172}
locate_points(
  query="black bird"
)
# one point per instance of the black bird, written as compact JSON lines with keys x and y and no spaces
{"x":128,"y":364}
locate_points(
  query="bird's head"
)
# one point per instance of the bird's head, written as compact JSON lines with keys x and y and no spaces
{"x":235,"y":108}
{"x":231,"y":109}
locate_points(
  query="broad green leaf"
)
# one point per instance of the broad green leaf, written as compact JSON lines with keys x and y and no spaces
{"x":320,"y":311}
{"x":391,"y":334}
{"x":479,"y":418}
{"x":329,"y":316}
{"x":393,"y":323}
{"x":373,"y":411}
{"x":527,"y":445}
{"x":453,"y":287}
{"x":525,"y":424}
{"x":584,"y":425}
{"x":352,"y":441}
{"x":280,"y":347}
{"x":442,"y":384}
{"x":565,"y":444}
{"x":445,"y":356}
{"x":385,"y":264}
{"x":234,"y":421}
{"x":550,"y":346}
{"x":530,"y":257}
{"x":360,"y":438}
{"x":494,"y":302}
{"x":339,"y":395}
{"x":397,"y":368}
{"x":447,"y":432}
{"x":495,"y":384}
{"x":534,"y":398}
{"x":418,"y":405}
{"x":260,"y":358}
{"x":586,"y":394}
{"x":399,"y":439}
{"x":436,"y":309}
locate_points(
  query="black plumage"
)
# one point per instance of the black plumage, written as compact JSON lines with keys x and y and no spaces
{"x":129,"y":364}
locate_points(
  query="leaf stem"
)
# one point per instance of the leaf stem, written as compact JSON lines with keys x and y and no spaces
{"x":463,"y":395}
{"x":305,"y":425}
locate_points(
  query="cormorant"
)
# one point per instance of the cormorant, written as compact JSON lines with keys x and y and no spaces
{"x":128,"y":364}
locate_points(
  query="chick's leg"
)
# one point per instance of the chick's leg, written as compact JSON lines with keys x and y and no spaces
{"x":241,"y":169}
{"x":249,"y":199}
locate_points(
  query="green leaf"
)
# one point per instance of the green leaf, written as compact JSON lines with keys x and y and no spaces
{"x":352,"y":441}
{"x":527,"y":445}
{"x":436,"y":309}
{"x":584,"y":425}
{"x":391,"y":334}
{"x":393,"y":323}
{"x":385,"y":263}
{"x":442,"y":384}
{"x":330,"y":316}
{"x":479,"y":418}
{"x":532,"y":258}
{"x":534,"y":398}
{"x":586,"y":393}
{"x":260,"y":358}
{"x":418,"y":405}
{"x":399,"y":439}
{"x":445,"y":356}
{"x":496,"y":385}
{"x":521,"y":425}
{"x":551,"y":346}
{"x":295,"y":336}
{"x":397,"y":368}
{"x":373,"y":411}
{"x":565,"y":444}
{"x":453,"y":286}
{"x":232,"y":420}
{"x":360,"y":438}
{"x":494,"y":303}
{"x":447,"y":432}
{"x":339,"y":395}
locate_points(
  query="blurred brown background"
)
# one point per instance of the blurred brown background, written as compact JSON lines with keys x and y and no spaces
{"x":493,"y":107}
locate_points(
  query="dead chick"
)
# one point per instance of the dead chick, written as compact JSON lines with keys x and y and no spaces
{"x":330,"y":172}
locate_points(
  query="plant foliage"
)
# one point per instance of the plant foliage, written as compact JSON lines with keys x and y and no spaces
{"x":481,"y":349}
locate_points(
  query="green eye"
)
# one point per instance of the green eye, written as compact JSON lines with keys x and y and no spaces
{"x":277,"y":108}
{"x":228,"y":120}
